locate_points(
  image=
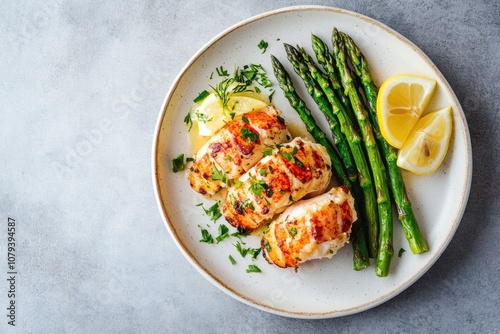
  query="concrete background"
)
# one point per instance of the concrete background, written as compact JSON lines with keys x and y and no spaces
{"x":81,"y":85}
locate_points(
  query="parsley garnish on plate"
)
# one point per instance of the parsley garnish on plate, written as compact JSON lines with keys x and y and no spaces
{"x":206,"y":237}
{"x":223,"y":233}
{"x":222,"y":72}
{"x":178,"y":163}
{"x":252,"y":268}
{"x":189,"y":121}
{"x":263,"y":45}
{"x":201,"y":96}
{"x":212,"y":212}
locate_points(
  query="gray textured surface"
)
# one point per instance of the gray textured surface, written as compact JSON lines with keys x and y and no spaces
{"x":81,"y":85}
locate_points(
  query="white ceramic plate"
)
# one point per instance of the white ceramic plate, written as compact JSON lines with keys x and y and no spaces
{"x":324,"y":288}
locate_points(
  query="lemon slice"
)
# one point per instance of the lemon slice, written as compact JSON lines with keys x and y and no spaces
{"x":425,"y":149}
{"x":211,"y":116}
{"x":401,"y":100}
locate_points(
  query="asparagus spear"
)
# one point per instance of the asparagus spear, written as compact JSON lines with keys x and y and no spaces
{"x":311,"y":73}
{"x":405,"y":213}
{"x":315,"y":91}
{"x":328,"y":63}
{"x":385,"y":251}
{"x":360,"y":256}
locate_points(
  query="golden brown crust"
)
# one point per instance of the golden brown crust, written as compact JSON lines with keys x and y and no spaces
{"x":235,"y":148}
{"x":310,"y":229}
{"x":290,"y":173}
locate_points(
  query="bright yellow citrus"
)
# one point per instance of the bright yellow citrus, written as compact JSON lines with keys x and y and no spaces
{"x":424,"y":150}
{"x":401,"y":100}
{"x":211,"y":116}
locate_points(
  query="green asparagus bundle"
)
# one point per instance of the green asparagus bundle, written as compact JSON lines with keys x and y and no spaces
{"x":361,"y":158}
{"x":322,"y":92}
{"x":360,"y":252}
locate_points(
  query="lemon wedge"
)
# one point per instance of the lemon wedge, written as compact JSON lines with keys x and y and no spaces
{"x":426,"y":147}
{"x":401,"y":100}
{"x":211,"y":115}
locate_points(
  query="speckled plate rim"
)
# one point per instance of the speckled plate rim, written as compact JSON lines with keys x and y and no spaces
{"x":246,"y":299}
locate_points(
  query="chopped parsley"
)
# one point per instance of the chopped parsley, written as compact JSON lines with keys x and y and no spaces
{"x":293,"y":231}
{"x":232,"y":199}
{"x":253,"y":73}
{"x":263,"y":45}
{"x":243,"y":251}
{"x":189,"y":121}
{"x":223,"y":233}
{"x":267,"y":152}
{"x":178,"y":163}
{"x":254,"y":252}
{"x":201,"y":96}
{"x":232,"y":260}
{"x":291,"y":157}
{"x":249,"y":135}
{"x":267,"y":245}
{"x":219,"y":175}
{"x":213,"y":212}
{"x":222,"y":72}
{"x":246,"y":204}
{"x":252,"y":268}
{"x":240,"y":234}
{"x":202,"y":117}
{"x":271,"y":95}
{"x":401,"y":251}
{"x":206,"y":237}
{"x":257,"y":186}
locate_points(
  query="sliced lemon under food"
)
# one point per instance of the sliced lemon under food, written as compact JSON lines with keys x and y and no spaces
{"x":425,"y":148}
{"x":401,"y":100}
{"x":212,"y":113}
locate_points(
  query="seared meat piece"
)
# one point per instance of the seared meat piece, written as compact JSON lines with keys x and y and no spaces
{"x":235,"y":148}
{"x":310,"y":229}
{"x":291,"y":172}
